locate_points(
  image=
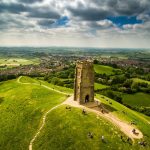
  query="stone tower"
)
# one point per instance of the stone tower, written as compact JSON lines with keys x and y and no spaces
{"x":84,"y":82}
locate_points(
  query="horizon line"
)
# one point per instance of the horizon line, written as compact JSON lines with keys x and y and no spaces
{"x":74,"y":47}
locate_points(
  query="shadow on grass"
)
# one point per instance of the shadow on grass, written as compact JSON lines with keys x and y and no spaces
{"x":1,"y":100}
{"x":108,"y":107}
{"x":101,"y":107}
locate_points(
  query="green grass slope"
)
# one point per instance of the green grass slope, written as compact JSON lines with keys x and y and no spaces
{"x":21,"y":109}
{"x":60,"y":88}
{"x":66,"y":129}
{"x":128,"y":115}
{"x":98,"y":86}
{"x":23,"y":105}
{"x":25,"y":79}
{"x":102,"y":69}
{"x":137,"y":99}
{"x":140,"y":80}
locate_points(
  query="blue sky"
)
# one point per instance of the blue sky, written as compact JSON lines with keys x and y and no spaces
{"x":96,"y":23}
{"x":62,"y":21}
{"x":123,"y":20}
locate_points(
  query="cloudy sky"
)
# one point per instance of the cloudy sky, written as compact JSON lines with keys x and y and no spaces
{"x":87,"y":23}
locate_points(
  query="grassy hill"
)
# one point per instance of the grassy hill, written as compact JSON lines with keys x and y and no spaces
{"x":98,"y":86}
{"x":23,"y":105}
{"x":128,"y":115}
{"x":140,"y":80}
{"x":21,"y":109}
{"x":137,"y":99}
{"x":25,"y":79}
{"x":69,"y":130}
{"x":101,"y":69}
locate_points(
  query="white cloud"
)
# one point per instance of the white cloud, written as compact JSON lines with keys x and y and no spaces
{"x":88,"y":24}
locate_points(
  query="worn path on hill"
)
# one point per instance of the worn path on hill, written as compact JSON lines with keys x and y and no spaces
{"x":42,"y":125}
{"x":47,"y":87}
{"x":126,"y":128}
{"x":45,"y":115}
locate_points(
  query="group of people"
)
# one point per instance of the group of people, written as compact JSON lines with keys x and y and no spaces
{"x":83,"y":111}
{"x":142,"y":143}
{"x":107,"y":100}
{"x":129,"y":140}
{"x":90,"y":135}
{"x":68,"y":107}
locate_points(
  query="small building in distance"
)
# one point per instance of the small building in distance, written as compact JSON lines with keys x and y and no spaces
{"x":84,"y":82}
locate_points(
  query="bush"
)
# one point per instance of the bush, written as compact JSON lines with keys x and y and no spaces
{"x":144,"y":110}
{"x":7,"y":77}
{"x":128,"y":83}
{"x":54,"y":80}
{"x":95,"y":61}
{"x":113,"y":95}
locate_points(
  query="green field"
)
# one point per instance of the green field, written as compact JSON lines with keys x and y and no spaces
{"x":137,"y":99}
{"x":140,"y":80}
{"x":101,"y":69}
{"x":21,"y":109}
{"x":69,"y":130}
{"x":13,"y":62}
{"x":98,"y":86}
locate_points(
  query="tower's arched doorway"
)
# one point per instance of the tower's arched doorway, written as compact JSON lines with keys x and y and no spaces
{"x":86,"y":98}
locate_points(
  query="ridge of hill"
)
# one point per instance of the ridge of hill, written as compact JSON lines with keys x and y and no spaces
{"x":24,"y":105}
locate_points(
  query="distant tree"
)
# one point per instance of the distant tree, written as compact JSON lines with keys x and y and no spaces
{"x":118,"y":79}
{"x":135,"y":87}
{"x":71,"y":75}
{"x":127,"y":75}
{"x":95,"y":61}
{"x":114,"y":65}
{"x":139,"y":71}
{"x":148,"y":77}
{"x":55,"y":80}
{"x":128,"y":83}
